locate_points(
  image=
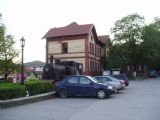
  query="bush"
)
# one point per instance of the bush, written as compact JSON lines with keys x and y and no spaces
{"x":11,"y":90}
{"x":5,"y":81}
{"x":38,"y":87}
{"x":32,"y":77}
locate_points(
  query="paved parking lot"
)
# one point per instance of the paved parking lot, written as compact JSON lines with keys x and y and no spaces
{"x":140,"y":101}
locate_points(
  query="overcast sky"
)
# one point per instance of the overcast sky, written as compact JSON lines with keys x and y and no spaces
{"x":33,"y":18}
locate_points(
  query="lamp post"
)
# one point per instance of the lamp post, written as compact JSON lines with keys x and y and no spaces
{"x":22,"y":41}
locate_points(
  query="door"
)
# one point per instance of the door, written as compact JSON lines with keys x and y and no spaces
{"x":72,"y":85}
{"x":86,"y":86}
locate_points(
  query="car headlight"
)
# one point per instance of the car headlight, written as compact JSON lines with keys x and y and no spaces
{"x":110,"y":87}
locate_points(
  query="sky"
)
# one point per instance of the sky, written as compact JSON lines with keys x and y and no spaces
{"x":33,"y":18}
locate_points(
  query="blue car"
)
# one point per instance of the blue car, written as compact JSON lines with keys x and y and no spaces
{"x":83,"y":86}
{"x":153,"y":73}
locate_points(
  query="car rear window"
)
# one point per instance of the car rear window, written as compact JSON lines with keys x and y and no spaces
{"x":120,"y":77}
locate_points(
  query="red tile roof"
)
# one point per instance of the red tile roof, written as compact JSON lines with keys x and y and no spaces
{"x":103,"y":38}
{"x":71,"y":29}
{"x":75,"y":29}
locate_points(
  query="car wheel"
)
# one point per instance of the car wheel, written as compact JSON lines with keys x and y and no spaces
{"x":63,"y":94}
{"x":101,"y":94}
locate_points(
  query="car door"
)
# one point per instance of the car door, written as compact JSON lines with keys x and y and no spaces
{"x":86,"y":86}
{"x":72,"y":85}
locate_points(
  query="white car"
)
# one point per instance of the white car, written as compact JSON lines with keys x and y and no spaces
{"x":118,"y":84}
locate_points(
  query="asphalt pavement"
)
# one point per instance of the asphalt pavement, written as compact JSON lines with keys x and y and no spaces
{"x":139,"y":101}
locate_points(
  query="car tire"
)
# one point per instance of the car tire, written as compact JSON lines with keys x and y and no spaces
{"x":63,"y":93}
{"x":101,"y":94}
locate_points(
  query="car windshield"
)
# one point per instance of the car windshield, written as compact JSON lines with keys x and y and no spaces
{"x":93,"y":79}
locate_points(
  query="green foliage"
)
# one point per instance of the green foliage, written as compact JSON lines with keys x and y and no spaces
{"x":38,"y":87}
{"x":11,"y":90}
{"x":103,"y":61}
{"x":32,"y":77}
{"x":128,"y":29}
{"x":135,"y":43}
{"x":7,"y":53}
{"x":151,"y":44}
{"x":127,"y":37}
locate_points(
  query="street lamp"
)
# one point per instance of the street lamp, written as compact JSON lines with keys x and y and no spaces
{"x":22,"y":41}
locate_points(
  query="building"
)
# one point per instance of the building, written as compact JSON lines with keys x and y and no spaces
{"x":78,"y":43}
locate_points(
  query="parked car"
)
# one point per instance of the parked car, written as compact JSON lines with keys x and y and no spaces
{"x":112,"y":81}
{"x":153,"y":73}
{"x":1,"y":78}
{"x":122,"y":77}
{"x":83,"y":86}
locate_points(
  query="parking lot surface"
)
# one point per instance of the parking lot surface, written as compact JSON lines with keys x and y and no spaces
{"x":139,"y":101}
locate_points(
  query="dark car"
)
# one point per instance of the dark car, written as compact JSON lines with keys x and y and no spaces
{"x":83,"y":86}
{"x":1,"y":79}
{"x":153,"y":73}
{"x":122,"y":77}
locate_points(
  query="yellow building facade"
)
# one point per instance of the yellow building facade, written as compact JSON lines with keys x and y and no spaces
{"x":78,"y":43}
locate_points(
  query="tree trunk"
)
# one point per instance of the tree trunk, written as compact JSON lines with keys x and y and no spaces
{"x":5,"y":77}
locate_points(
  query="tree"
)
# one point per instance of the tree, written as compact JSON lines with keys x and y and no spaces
{"x":115,"y":60}
{"x":128,"y":29}
{"x":127,"y":37}
{"x":151,"y":44}
{"x":1,"y":32}
{"x":7,"y":53}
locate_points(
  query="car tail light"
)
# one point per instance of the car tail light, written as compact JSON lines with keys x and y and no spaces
{"x":122,"y":82}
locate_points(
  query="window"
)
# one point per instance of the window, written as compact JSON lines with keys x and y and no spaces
{"x":98,"y":52}
{"x":90,"y":47}
{"x":91,"y":66}
{"x":91,"y":38}
{"x":51,"y":59}
{"x":104,"y":79}
{"x":99,"y":79}
{"x":96,"y":66}
{"x":84,"y":80}
{"x":73,"y":80}
{"x":93,"y":49}
{"x":64,"y":47}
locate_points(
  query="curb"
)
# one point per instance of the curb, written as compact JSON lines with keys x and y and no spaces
{"x":26,"y":100}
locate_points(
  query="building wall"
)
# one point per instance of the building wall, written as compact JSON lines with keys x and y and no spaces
{"x":69,"y":55}
{"x":94,"y":55}
{"x":55,"y":47}
{"x":76,"y":46}
{"x":76,"y":49}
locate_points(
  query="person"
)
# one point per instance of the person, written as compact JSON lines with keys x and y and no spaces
{"x":134,"y":74}
{"x":14,"y":79}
